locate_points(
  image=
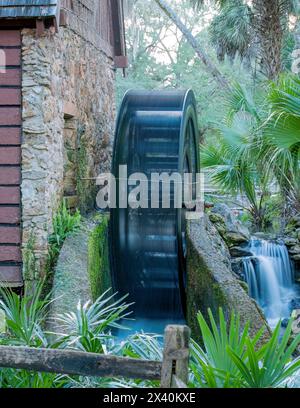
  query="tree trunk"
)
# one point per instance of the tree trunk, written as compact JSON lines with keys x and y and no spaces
{"x":268,"y":24}
{"x":210,"y":67}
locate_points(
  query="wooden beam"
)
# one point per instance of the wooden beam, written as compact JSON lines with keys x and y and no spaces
{"x":118,"y":29}
{"x":78,"y":363}
{"x":64,"y":18}
{"x":175,"y":366}
{"x":40,"y":27}
{"x":121,"y":61}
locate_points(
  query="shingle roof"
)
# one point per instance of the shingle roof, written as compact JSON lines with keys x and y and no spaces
{"x":28,"y":8}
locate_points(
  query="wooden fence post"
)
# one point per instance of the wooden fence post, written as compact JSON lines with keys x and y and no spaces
{"x":175,"y":365}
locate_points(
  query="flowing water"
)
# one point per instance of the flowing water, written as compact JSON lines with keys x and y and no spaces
{"x":270,"y":278}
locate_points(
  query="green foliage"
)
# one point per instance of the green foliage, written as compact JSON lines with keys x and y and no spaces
{"x":212,"y":366}
{"x":258,"y":147}
{"x":24,"y":317}
{"x":146,"y":347}
{"x":231,"y":158}
{"x":98,"y":258}
{"x":230,"y":30}
{"x":231,"y":358}
{"x":271,"y":365}
{"x":88,"y":327}
{"x":273,"y":210}
{"x":64,"y":223}
{"x":160,"y":57}
{"x":281,"y":137}
{"x":10,"y":378}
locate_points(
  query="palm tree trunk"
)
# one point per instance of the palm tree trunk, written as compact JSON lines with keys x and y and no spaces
{"x":210,"y":67}
{"x":268,"y":23}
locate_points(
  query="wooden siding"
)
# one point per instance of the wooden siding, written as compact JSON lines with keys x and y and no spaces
{"x":95,"y":14}
{"x":10,"y":159}
{"x":104,"y":18}
{"x":28,"y":8}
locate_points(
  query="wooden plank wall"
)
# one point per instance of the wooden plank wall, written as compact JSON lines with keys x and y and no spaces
{"x":95,"y":13}
{"x":10,"y":159}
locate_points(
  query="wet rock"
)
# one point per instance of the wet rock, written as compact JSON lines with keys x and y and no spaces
{"x":237,"y":252}
{"x":232,"y":224}
{"x":294,"y":304}
{"x":296,"y":257}
{"x":234,"y":238}
{"x":237,"y":268}
{"x":284,"y":322}
{"x":294,"y":250}
{"x":289,"y":242}
{"x":216,"y":218}
{"x":263,"y":235}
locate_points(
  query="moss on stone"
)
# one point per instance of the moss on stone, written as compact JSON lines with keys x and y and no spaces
{"x":98,"y":258}
{"x":86,"y":186}
{"x":2,"y":322}
{"x":212,"y":284}
{"x":30,"y":263}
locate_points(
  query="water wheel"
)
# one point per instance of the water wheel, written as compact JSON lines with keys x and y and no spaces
{"x":156,"y":132}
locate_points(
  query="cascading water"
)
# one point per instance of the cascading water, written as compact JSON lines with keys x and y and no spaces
{"x":270,"y":278}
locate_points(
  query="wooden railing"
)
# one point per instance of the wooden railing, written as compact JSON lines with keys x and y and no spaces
{"x":172,"y":371}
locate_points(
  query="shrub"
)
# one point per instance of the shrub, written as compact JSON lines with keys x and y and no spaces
{"x":64,"y":223}
{"x":231,"y":358}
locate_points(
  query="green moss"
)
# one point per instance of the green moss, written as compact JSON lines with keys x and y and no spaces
{"x":2,"y":322}
{"x":216,"y":218}
{"x":86,"y":186}
{"x":98,"y":261}
{"x":244,"y":286}
{"x":30,"y":267}
{"x":202,"y":291}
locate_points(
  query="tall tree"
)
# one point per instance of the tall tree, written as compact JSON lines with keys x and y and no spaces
{"x":262,"y":22}
{"x":268,"y":24}
{"x":210,"y":66}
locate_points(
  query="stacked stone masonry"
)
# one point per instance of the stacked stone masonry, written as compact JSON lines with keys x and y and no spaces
{"x":68,"y":116}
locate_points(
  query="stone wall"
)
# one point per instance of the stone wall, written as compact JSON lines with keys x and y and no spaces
{"x":212,"y":283}
{"x":68,"y":119}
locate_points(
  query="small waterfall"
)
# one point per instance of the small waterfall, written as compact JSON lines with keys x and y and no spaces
{"x":270,"y":278}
